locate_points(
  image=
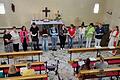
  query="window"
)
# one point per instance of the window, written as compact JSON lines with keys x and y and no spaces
{"x":96,"y":8}
{"x":2,"y":8}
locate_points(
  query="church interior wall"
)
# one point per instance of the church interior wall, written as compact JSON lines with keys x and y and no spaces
{"x":26,"y":10}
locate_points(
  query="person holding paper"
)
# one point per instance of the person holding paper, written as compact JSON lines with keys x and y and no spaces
{"x":99,"y":32}
{"x":34,"y":30}
{"x":54,"y":37}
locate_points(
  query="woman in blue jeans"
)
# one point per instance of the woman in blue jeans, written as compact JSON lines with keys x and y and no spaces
{"x":71,"y":35}
{"x":45,"y":39}
{"x":54,"y":37}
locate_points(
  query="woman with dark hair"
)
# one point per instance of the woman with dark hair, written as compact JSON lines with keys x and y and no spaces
{"x":62,"y":36}
{"x":114,"y":37}
{"x":24,"y":37}
{"x":71,"y":35}
{"x":7,"y":41}
{"x":89,"y":35}
{"x":15,"y":38}
{"x":34,"y":36}
{"x":86,"y":66}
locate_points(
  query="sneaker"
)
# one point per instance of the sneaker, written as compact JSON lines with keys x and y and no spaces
{"x":61,"y":49}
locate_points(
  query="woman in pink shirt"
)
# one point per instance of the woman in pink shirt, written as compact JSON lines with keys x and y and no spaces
{"x":71,"y":35}
{"x":24,"y":37}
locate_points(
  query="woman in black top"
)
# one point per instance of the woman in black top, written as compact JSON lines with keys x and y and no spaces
{"x":62,"y":36}
{"x":7,"y":41}
{"x":34,"y":35}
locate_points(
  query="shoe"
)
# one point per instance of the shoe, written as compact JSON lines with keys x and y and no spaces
{"x":61,"y":49}
{"x":55,"y":49}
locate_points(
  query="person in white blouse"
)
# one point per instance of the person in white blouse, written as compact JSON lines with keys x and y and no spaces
{"x":114,"y":36}
{"x":15,"y":38}
{"x":81,"y":35}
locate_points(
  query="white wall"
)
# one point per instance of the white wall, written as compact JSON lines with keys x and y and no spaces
{"x":26,"y":10}
{"x":114,"y":7}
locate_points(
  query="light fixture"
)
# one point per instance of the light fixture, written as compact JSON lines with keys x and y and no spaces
{"x":96,"y":8}
{"x":2,"y":8}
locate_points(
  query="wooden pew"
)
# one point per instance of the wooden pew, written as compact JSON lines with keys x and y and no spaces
{"x":37,"y":66}
{"x":22,"y":53}
{"x":108,"y":72}
{"x":97,"y":59}
{"x":35,"y":77}
{"x":76,"y":50}
{"x":111,"y":60}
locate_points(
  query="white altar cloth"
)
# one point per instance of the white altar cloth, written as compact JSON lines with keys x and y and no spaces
{"x":39,"y":22}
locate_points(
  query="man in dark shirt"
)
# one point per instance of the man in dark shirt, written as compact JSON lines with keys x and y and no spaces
{"x":34,"y":35}
{"x":99,"y":32}
{"x":7,"y":41}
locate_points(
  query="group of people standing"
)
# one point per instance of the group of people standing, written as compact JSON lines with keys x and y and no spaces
{"x":13,"y":38}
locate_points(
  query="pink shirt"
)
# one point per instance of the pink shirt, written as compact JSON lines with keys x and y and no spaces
{"x":22,"y":36}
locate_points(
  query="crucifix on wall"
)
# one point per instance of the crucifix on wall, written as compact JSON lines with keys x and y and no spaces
{"x":46,"y":12}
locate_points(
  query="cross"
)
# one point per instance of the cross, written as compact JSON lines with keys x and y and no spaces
{"x":46,"y":11}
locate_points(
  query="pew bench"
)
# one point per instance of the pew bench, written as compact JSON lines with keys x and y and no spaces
{"x":35,"y":77}
{"x":37,"y":66}
{"x":77,"y":50}
{"x":97,"y":73}
{"x":21,"y":53}
{"x":111,"y":60}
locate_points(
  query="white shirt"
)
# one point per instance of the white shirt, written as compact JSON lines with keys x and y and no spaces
{"x":15,"y":37}
{"x":81,"y":31}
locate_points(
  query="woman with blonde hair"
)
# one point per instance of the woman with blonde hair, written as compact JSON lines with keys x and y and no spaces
{"x":13,"y":71}
{"x":28,"y":71}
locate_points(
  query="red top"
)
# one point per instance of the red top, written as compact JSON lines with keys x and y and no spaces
{"x":71,"y":31}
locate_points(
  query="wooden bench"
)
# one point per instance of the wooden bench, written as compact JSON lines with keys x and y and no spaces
{"x":76,"y":50}
{"x":35,"y":77}
{"x":37,"y":66}
{"x":22,"y":53}
{"x":97,"y":73}
{"x":111,"y":60}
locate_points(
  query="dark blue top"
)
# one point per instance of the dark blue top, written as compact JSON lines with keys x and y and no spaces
{"x":99,"y":32}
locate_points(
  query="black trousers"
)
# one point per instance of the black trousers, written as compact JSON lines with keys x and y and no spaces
{"x":62,"y":41}
{"x":16,"y":47}
{"x":36,"y":45}
{"x":25,"y":45}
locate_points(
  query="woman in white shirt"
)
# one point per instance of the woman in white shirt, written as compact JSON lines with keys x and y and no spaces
{"x":15,"y":38}
{"x":81,"y":35}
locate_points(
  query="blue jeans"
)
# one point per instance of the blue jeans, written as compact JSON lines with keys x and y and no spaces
{"x":70,"y":42}
{"x":54,"y":41}
{"x":45,"y":43}
{"x":80,"y":40}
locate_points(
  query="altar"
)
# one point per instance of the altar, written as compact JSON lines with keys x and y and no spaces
{"x":48,"y":22}
{"x":40,"y":22}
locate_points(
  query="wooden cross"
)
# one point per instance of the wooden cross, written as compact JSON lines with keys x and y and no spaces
{"x":46,"y":11}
